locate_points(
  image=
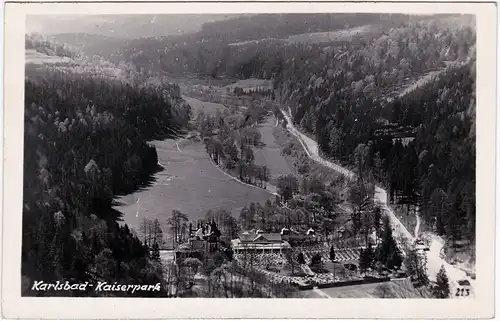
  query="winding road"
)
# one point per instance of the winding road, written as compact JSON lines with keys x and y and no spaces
{"x":417,"y":227}
{"x":311,"y":148}
{"x":401,"y":234}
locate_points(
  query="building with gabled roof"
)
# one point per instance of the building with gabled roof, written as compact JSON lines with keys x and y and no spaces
{"x":264,"y":242}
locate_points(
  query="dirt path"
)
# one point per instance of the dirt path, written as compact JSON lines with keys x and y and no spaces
{"x":312,"y":150}
{"x":417,"y":227}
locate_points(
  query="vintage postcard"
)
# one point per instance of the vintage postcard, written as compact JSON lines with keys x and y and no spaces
{"x":249,"y":160}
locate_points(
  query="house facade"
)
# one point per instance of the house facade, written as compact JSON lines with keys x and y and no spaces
{"x":259,"y":242}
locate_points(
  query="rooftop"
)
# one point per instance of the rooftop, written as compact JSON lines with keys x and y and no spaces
{"x":260,"y":238}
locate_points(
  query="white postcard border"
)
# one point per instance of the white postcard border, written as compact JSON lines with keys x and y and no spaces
{"x":15,"y":306}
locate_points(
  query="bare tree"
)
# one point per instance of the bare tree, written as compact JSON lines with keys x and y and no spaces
{"x":176,"y":222}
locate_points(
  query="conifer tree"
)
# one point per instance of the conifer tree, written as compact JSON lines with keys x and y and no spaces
{"x":387,"y":252}
{"x":442,"y":288}
{"x":332,"y":254}
{"x":301,"y":259}
{"x":370,"y":255}
{"x":155,"y":252}
{"x":362,"y":261}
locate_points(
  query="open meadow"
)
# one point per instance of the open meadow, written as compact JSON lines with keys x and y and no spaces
{"x":205,"y":106}
{"x":250,"y":84}
{"x":189,"y":182}
{"x":270,"y":153}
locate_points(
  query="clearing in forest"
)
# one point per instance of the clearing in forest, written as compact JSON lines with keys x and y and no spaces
{"x":330,"y":36}
{"x":189,"y":182}
{"x":251,"y":84}
{"x":270,"y":153}
{"x":206,"y":107}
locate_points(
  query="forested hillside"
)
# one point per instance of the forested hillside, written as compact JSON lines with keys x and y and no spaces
{"x":210,"y":51}
{"x":93,"y":102}
{"x":407,"y":144}
{"x":86,"y":141}
{"x":284,"y":25}
{"x":52,"y":56}
{"x":346,"y":94}
{"x":438,"y":169}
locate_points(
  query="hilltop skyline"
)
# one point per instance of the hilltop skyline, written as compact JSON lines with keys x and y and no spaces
{"x":120,"y":26}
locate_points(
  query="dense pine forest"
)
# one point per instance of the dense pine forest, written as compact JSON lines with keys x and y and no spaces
{"x":214,"y":50}
{"x":417,"y":172}
{"x":406,"y":143}
{"x":86,"y":140}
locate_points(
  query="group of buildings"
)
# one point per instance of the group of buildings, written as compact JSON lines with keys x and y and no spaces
{"x":206,"y":239}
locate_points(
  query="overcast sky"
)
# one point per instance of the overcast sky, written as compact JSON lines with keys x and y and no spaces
{"x":120,"y":25}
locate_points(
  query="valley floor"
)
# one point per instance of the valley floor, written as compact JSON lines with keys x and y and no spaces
{"x":189,"y":182}
{"x":270,"y":154}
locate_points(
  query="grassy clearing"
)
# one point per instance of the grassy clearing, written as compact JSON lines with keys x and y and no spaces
{"x":189,"y":182}
{"x":424,"y":79}
{"x":192,"y":80}
{"x":207,"y":107}
{"x":251,"y":84}
{"x":296,"y":157}
{"x":243,"y":43}
{"x":315,"y":37}
{"x":34,"y":57}
{"x":330,"y":36}
{"x":270,"y":154}
{"x":300,"y":164}
{"x":412,"y":83}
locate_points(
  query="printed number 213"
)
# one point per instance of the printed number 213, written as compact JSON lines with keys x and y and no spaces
{"x":462,"y":292}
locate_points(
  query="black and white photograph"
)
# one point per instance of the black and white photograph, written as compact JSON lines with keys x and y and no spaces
{"x":260,"y":155}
